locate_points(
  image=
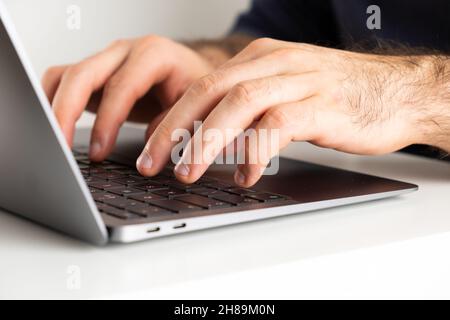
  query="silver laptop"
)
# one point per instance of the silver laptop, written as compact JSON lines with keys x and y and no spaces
{"x":43,"y":180}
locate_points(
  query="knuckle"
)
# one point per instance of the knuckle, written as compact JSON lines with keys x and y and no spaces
{"x":115,"y":82}
{"x":206,"y":85}
{"x":260,"y":44}
{"x":80,"y":70}
{"x":287,"y":54}
{"x":118,"y":84}
{"x":150,"y":40}
{"x":276,"y":118}
{"x":242,"y":93}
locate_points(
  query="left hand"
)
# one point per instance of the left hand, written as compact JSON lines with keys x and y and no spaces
{"x":353,"y":102}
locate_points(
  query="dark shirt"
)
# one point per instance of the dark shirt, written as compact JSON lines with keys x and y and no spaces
{"x":343,"y":23}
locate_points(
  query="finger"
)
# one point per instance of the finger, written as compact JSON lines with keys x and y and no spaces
{"x":154,"y":124}
{"x":200,"y":99}
{"x":277,"y":128}
{"x":245,"y":103}
{"x":80,"y":81}
{"x":51,"y":79}
{"x":131,"y":82}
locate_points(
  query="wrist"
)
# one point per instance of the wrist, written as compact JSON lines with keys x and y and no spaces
{"x":436,"y":127}
{"x":217,"y":52}
{"x":215,"y":56}
{"x":434,"y":108}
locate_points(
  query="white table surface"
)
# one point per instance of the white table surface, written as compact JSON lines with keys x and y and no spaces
{"x":394,"y":248}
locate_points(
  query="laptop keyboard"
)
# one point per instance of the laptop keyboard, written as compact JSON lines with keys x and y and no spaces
{"x":121,"y":192}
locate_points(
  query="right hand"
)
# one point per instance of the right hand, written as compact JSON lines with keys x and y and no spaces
{"x":137,"y":80}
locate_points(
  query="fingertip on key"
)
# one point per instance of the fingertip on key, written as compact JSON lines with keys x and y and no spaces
{"x":144,"y":163}
{"x":95,"y":150}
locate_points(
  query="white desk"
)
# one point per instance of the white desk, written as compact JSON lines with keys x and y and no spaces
{"x":395,"y":248}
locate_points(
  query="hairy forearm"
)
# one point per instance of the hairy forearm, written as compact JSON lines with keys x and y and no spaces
{"x":220,"y":51}
{"x":416,"y":82}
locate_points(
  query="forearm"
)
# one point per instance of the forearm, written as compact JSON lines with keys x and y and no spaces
{"x":220,"y":51}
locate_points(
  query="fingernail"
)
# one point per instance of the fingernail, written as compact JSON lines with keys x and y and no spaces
{"x":239,"y":177}
{"x":182,"y":169}
{"x":145,"y":161}
{"x":95,"y":149}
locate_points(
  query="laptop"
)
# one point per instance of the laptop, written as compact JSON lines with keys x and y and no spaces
{"x":45,"y":181}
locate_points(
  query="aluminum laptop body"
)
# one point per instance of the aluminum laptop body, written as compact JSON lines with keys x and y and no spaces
{"x":41,"y":180}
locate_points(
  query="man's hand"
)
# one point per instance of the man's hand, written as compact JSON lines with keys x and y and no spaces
{"x":132,"y":79}
{"x":353,"y":102}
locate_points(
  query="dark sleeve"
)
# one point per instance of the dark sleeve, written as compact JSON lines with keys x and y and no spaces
{"x":311,"y":21}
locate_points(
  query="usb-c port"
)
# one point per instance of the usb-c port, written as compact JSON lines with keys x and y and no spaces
{"x":156,"y":229}
{"x":179,"y":226}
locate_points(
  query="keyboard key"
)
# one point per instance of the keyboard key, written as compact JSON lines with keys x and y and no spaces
{"x":208,"y":192}
{"x":235,"y":199}
{"x":129,"y":181}
{"x":204,"y":179}
{"x":161,"y":179}
{"x":266,"y":197}
{"x":170,"y":192}
{"x":94,"y":170}
{"x":90,"y":179}
{"x":166,"y":172}
{"x":108,"y":175}
{"x":145,"y":197}
{"x":204,"y":202}
{"x":240,"y":191}
{"x":123,"y":203}
{"x":93,"y":190}
{"x":118,"y":213}
{"x":218,"y":185}
{"x":103,"y":184}
{"x":94,"y":164}
{"x":182,"y":186}
{"x":127,"y":171}
{"x":113,"y":166}
{"x":118,"y":202}
{"x":150,"y":186}
{"x":174,"y":205}
{"x":124,"y":191}
{"x":100,"y":205}
{"x":102,"y":196}
{"x":151,"y":212}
